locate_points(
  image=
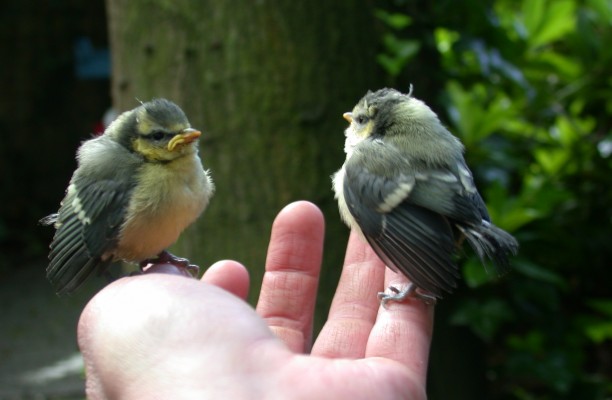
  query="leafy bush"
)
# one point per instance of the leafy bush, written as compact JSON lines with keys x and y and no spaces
{"x":527,"y":86}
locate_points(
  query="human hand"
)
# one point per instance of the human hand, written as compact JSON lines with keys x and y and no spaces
{"x":163,"y":336}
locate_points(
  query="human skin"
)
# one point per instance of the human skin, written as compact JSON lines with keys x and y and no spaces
{"x":161,"y":335}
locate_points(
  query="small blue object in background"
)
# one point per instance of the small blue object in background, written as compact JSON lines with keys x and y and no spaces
{"x":90,"y":63}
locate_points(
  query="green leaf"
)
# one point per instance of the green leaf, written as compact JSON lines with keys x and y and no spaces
{"x":568,"y":67}
{"x":603,"y":8}
{"x":597,"y":328}
{"x":532,"y":341}
{"x":400,"y":48}
{"x":543,"y":195}
{"x":538,"y":273}
{"x":572,"y":130}
{"x":561,"y":19}
{"x":552,"y":160}
{"x":509,"y":213}
{"x":398,"y":53}
{"x":475,"y":274}
{"x":484,"y":318}
{"x":445,"y":39}
{"x":533,"y":13}
{"x":475,"y":114}
{"x":604,"y":306}
{"x":548,"y":21}
{"x":396,"y":21}
{"x":514,"y":218}
{"x":392,"y":66}
{"x":599,"y":332}
{"x":535,"y":358}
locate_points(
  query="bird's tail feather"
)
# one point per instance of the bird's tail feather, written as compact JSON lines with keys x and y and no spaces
{"x":67,"y":276}
{"x":491,"y":242}
{"x":49,"y":219}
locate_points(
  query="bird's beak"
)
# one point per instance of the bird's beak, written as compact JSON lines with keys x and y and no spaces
{"x":184,"y":137}
{"x":348,"y":116}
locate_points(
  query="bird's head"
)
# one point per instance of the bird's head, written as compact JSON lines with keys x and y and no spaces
{"x":158,"y":130}
{"x":390,"y":115}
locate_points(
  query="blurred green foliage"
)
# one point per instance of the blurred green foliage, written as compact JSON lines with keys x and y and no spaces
{"x":527,"y":86}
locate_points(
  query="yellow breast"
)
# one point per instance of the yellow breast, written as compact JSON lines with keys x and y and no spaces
{"x":167,"y":199}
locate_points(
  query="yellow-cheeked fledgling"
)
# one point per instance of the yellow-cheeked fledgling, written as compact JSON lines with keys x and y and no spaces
{"x":406,"y":187}
{"x":136,"y":188}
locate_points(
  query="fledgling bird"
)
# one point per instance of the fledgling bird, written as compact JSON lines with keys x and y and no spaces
{"x":406,"y":187}
{"x":136,"y":188}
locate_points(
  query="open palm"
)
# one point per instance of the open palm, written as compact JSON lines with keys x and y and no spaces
{"x":161,"y":336}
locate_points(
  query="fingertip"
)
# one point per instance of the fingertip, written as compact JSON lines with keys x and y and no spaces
{"x":229,"y":275}
{"x":293,"y":265}
{"x":301,"y":212}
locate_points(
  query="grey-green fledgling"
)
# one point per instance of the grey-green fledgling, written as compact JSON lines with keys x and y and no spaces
{"x":406,"y":187}
{"x":136,"y":188}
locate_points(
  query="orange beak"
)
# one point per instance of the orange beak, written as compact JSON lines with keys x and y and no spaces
{"x":185,"y":137}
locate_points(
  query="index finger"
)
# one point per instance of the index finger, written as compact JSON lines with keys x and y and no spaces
{"x":289,"y":287}
{"x":355,"y":305}
{"x":403,"y":330}
{"x":359,"y":327}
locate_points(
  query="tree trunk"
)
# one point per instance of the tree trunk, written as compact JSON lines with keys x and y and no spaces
{"x":267,"y":84}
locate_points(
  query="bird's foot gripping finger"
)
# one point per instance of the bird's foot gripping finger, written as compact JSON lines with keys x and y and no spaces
{"x":411,"y":290}
{"x":193,"y":269}
{"x":169,"y":258}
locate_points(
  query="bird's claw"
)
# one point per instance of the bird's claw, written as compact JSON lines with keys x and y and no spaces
{"x":169,"y":258}
{"x":411,"y":290}
{"x":193,"y":269}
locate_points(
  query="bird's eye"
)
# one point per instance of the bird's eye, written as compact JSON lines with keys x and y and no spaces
{"x":157,"y":135}
{"x":361,"y":119}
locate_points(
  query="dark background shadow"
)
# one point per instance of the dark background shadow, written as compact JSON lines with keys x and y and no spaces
{"x":53,"y":96}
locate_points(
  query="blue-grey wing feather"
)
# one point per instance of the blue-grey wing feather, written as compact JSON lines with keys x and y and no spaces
{"x":413,"y":215}
{"x":87,"y":223}
{"x":409,"y":238}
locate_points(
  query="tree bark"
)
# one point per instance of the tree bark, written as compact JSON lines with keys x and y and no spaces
{"x":267,"y":83}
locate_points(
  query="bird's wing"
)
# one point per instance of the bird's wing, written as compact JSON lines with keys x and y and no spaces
{"x":449,"y":190}
{"x":87,"y":226}
{"x":407,"y":236}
